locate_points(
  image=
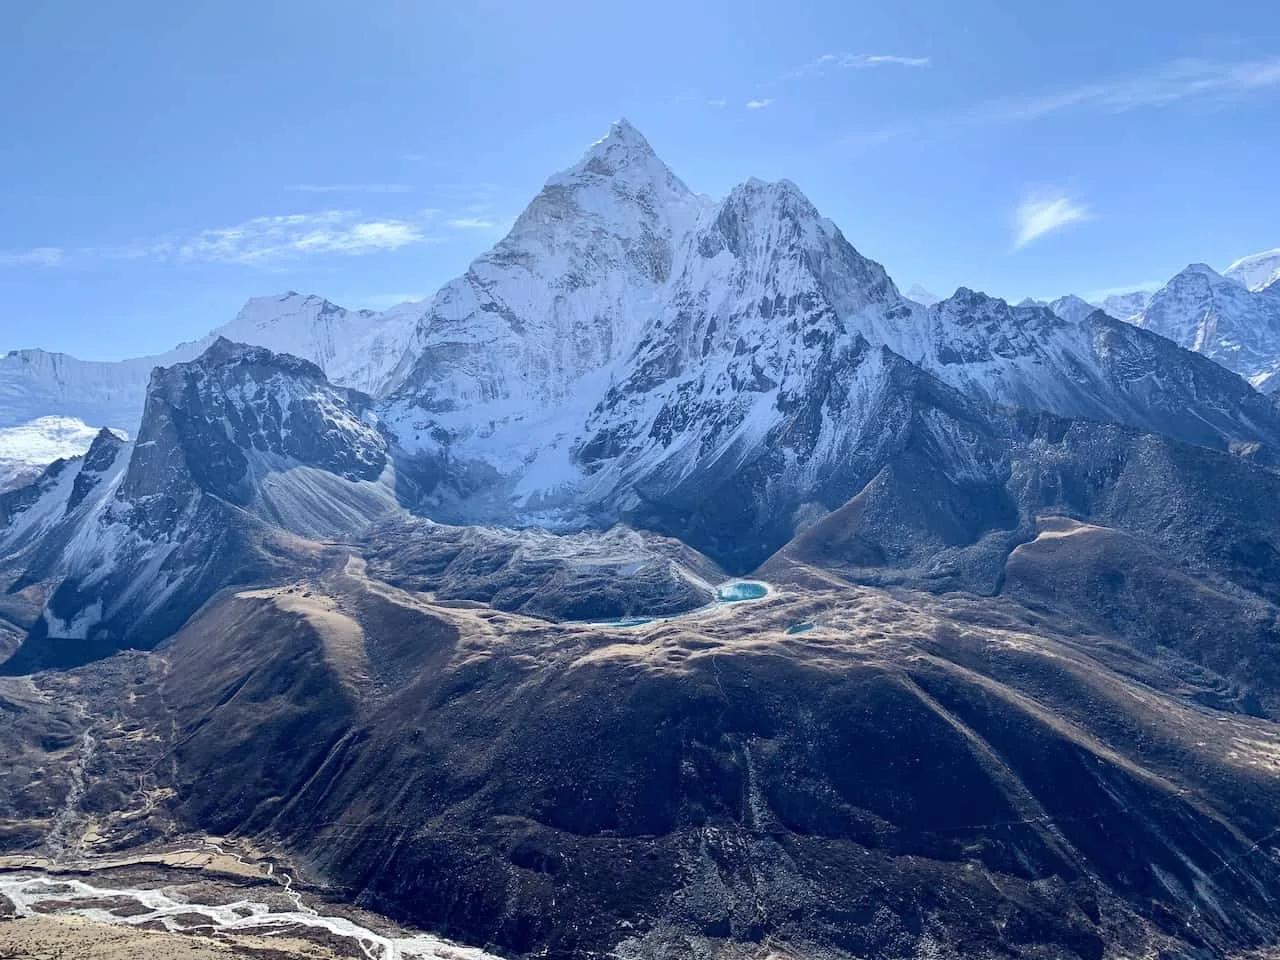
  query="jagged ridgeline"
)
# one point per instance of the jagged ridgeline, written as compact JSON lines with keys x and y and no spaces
{"x":443,"y":608}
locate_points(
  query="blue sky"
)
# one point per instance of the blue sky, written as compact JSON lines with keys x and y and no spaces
{"x":164,"y":161}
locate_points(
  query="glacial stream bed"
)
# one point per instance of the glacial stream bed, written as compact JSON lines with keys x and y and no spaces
{"x":95,"y":916}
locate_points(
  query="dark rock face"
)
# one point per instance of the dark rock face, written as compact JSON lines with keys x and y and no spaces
{"x":98,"y":459}
{"x":206,"y":418}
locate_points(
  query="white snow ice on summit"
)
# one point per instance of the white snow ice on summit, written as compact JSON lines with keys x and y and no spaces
{"x":1202,"y":310}
{"x":355,"y":348}
{"x":25,"y":450}
{"x":1257,"y":271}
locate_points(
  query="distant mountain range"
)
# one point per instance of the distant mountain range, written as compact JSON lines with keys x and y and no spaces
{"x":357,"y":348}
{"x":1232,"y":317}
{"x":372,"y":351}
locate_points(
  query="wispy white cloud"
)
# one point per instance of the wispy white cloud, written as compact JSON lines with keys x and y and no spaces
{"x":1181,"y":81}
{"x":264,"y":240}
{"x":35,"y":257}
{"x":827,"y":63}
{"x":470,"y":223}
{"x":1171,"y":83}
{"x":269,"y":241}
{"x":273,"y":241}
{"x":854,"y":61}
{"x":718,"y":102}
{"x":351,"y":188}
{"x":1043,"y":212}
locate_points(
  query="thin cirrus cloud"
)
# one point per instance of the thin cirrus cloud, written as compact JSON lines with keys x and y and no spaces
{"x":35,"y":257}
{"x":265,"y":240}
{"x":854,"y":61}
{"x":1179,"y":81}
{"x":351,"y":188}
{"x":1171,"y":83}
{"x":470,"y":223}
{"x":261,"y":241}
{"x":1044,"y":212}
{"x":827,"y":63}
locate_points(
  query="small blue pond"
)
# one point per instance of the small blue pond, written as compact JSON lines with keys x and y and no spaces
{"x":799,"y":628}
{"x":628,"y":622}
{"x":741,"y":590}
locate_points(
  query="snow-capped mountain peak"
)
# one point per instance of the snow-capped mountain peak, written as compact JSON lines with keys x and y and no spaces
{"x":630,"y":341}
{"x":922,"y":295}
{"x":1071,"y":308}
{"x":627,"y":167}
{"x":354,"y":348}
{"x":630,"y":351}
{"x":1202,"y":310}
{"x":1202,"y":270}
{"x":623,"y":148}
{"x":563,"y":295}
{"x":25,"y":450}
{"x":1124,"y":306}
{"x":1257,"y":271}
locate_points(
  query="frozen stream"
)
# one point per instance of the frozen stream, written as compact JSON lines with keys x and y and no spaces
{"x":60,"y":895}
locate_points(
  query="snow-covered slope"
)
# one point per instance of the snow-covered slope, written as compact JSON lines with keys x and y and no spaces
{"x":1098,"y":368}
{"x":354,"y":348}
{"x":1257,"y":272}
{"x":25,"y":450}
